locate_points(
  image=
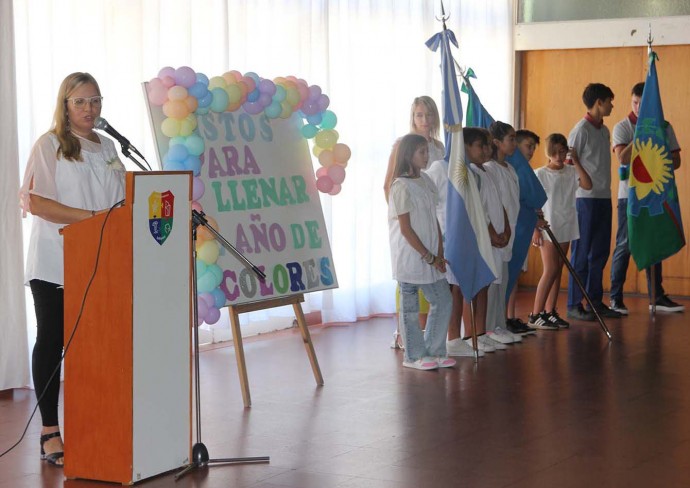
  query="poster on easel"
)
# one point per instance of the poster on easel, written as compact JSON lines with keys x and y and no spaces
{"x":245,"y":138}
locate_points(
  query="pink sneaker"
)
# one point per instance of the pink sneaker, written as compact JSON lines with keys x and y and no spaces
{"x":445,"y":362}
{"x":425,"y":363}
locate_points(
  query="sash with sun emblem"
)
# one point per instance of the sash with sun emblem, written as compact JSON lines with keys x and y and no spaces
{"x":655,"y":228}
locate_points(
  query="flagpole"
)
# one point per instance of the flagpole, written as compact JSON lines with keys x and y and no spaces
{"x":577,"y":280}
{"x":475,"y":346}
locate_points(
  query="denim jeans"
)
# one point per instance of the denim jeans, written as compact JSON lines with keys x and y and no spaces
{"x":621,"y":258}
{"x":433,"y":341}
{"x":590,"y":252}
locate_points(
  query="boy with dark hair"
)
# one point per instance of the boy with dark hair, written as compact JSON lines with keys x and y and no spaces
{"x":623,"y":135}
{"x":591,"y":139}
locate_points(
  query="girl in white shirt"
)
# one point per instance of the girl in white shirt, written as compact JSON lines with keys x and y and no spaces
{"x":72,"y":175}
{"x":560,"y":181}
{"x":417,"y":257}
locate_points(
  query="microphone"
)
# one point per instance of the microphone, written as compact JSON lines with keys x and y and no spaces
{"x":101,"y":124}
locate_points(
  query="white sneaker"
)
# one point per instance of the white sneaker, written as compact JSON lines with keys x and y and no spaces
{"x":425,"y":363}
{"x":488,"y":341}
{"x":458,"y":347}
{"x":397,"y":341}
{"x":506,"y":333}
{"x":481,"y":347}
{"x":497,"y":336}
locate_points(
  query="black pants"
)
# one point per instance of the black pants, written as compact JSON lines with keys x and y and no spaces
{"x":49,"y":305}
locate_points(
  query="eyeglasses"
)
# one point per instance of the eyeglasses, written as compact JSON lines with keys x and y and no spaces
{"x":81,"y":102}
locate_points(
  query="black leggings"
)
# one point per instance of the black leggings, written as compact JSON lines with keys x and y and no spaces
{"x":49,"y":305}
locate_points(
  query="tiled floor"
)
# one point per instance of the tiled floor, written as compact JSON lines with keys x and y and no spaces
{"x":562,"y":409}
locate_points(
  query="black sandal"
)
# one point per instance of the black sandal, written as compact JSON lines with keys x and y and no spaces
{"x":53,"y":457}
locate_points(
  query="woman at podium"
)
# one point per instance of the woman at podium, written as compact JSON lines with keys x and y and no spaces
{"x":72,"y":174}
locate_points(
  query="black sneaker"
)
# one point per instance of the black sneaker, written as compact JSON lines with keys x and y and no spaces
{"x":541,"y":321}
{"x":607,"y":312}
{"x":556,"y":319}
{"x":618,"y":305}
{"x":517,"y":326}
{"x":665,"y":304}
{"x":579,"y":313}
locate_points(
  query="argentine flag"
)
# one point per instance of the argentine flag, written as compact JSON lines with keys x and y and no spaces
{"x":467,"y":243}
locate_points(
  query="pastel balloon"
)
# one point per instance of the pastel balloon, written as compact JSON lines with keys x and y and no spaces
{"x":309,"y":131}
{"x":326,"y":138}
{"x":218,"y":297}
{"x":250,"y":82}
{"x":267,"y":86}
{"x":217,"y":82}
{"x":336,"y":173}
{"x":273,"y":110}
{"x":326,"y":158}
{"x":280,"y":93}
{"x":324,"y":184}
{"x":201,"y":305}
{"x":200,"y":267}
{"x":166,"y":71}
{"x":314,"y":92}
{"x":177,"y":93}
{"x":203,"y":230}
{"x":310,"y":107}
{"x":177,"y":152}
{"x":176,"y":109}
{"x":316,"y":150}
{"x":195,"y":145}
{"x":323,"y":102}
{"x":173,"y":166}
{"x":234,"y":92}
{"x":198,"y":188}
{"x":286,"y":109}
{"x":170,"y":127}
{"x":314,"y":119}
{"x":185,"y":76}
{"x":187,"y":125}
{"x":253,"y":96}
{"x":252,"y":108}
{"x":208,"y":252}
{"x":193,"y":164}
{"x":212,"y":315}
{"x":322,"y":171}
{"x":335,"y":190}
{"x":216,"y":272}
{"x":202,"y":78}
{"x":168,"y":81}
{"x":264,"y":99}
{"x":157,"y":92}
{"x":192,"y":103}
{"x":197,"y":90}
{"x":206,"y":100}
{"x":328,"y":120}
{"x":220,"y":100}
{"x":207,"y":298}
{"x":341,"y":153}
{"x":303,"y":91}
{"x":292,"y":96}
{"x":205,"y":282}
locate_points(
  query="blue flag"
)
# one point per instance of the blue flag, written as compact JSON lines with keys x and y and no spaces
{"x":467,"y":243}
{"x":532,"y":194}
{"x":655,"y":228}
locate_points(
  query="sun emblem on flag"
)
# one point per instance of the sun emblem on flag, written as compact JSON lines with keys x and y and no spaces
{"x":650,"y":168}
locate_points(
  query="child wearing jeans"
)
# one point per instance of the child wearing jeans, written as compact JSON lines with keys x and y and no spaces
{"x":417,"y":257}
{"x":560,"y":181}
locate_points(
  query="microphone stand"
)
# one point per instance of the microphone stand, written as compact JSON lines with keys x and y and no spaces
{"x":126,"y":152}
{"x":200,"y":456}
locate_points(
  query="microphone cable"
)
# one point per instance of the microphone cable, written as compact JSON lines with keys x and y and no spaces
{"x":76,"y":325}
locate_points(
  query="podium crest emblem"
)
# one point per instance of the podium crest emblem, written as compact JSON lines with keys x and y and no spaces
{"x":161,"y":209}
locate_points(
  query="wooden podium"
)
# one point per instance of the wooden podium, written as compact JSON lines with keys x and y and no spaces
{"x":128,"y":368}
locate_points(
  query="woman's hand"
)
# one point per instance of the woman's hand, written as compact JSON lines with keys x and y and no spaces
{"x":537,"y":238}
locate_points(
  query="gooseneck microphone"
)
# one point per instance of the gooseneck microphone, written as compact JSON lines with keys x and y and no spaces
{"x":101,"y":124}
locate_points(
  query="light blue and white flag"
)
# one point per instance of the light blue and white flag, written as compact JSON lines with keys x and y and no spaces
{"x":467,"y":243}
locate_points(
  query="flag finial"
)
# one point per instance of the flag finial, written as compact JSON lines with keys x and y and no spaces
{"x":650,"y":40}
{"x":444,"y":16}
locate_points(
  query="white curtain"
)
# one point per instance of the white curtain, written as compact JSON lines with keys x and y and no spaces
{"x":14,"y":364}
{"x":367,"y":55}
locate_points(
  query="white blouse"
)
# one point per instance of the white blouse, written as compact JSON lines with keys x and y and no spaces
{"x":416,"y":196}
{"x":559,"y":210}
{"x":96,"y":183}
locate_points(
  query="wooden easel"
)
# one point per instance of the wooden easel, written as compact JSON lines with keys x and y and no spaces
{"x":236,"y":310}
